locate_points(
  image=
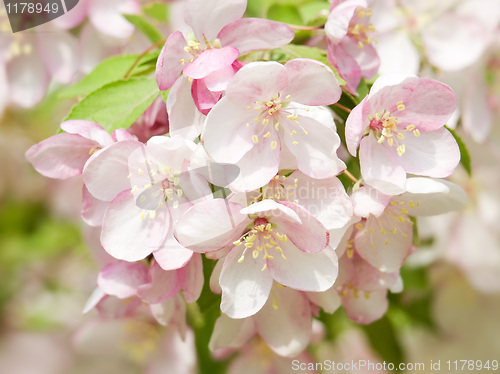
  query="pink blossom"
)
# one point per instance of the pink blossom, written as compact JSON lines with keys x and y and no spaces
{"x":267,"y":109}
{"x":384,"y":238}
{"x":364,"y":289}
{"x":399,"y":128}
{"x":284,"y":323}
{"x":267,"y":240}
{"x":220,"y":36}
{"x":147,"y":193}
{"x":64,"y":155}
{"x":349,"y":41}
{"x":154,"y":286}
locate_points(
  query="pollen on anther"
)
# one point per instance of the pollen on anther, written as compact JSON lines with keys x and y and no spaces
{"x":274,"y":144}
{"x":240,"y":260}
{"x":400,"y":106}
{"x":416,"y":132}
{"x":255,"y":139}
{"x":267,"y":134}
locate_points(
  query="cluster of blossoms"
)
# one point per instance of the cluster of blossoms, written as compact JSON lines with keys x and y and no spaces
{"x":244,"y":180}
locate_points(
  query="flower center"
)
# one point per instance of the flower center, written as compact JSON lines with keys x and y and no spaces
{"x":195,"y":49}
{"x":385,"y":126}
{"x":359,"y":28}
{"x":272,"y":116}
{"x":162,"y":184}
{"x":261,"y":239}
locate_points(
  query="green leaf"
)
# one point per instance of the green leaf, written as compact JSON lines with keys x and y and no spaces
{"x":117,"y":104}
{"x":383,"y":339}
{"x":284,"y":13}
{"x":314,"y":13}
{"x":110,"y":70}
{"x":143,"y":25}
{"x":158,"y":11}
{"x":464,"y":153}
{"x":302,"y":51}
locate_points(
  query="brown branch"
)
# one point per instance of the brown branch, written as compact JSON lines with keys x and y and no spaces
{"x":138,"y":59}
{"x":305,"y":28}
{"x":350,"y":176}
{"x":344,"y":108}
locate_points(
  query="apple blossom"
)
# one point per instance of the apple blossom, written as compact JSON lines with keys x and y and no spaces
{"x":267,"y":108}
{"x":268,"y":240}
{"x":399,"y":129}
{"x":221,"y":35}
{"x":349,"y":42}
{"x":384,"y":238}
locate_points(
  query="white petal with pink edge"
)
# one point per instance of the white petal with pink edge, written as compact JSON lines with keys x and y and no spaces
{"x":130,"y":233}
{"x":285,"y":321}
{"x":122,"y":279}
{"x":245,"y":286}
{"x":311,"y":82}
{"x":249,"y":34}
{"x":304,"y":271}
{"x":210,"y":225}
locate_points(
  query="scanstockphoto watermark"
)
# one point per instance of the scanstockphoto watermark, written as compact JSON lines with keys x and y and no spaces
{"x":26,"y":14}
{"x":359,"y":366}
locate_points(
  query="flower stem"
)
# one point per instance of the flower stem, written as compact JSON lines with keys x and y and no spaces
{"x":157,"y":44}
{"x":344,"y":108}
{"x":305,"y":28}
{"x":350,"y":176}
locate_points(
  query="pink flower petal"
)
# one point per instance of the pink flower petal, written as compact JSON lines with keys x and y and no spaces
{"x":61,"y":156}
{"x":346,"y":66}
{"x":385,"y":242}
{"x":304,"y":271}
{"x":380,"y":166}
{"x":311,"y":83}
{"x":285,"y":321}
{"x":366,"y":310}
{"x":191,"y":279}
{"x":368,"y":200}
{"x":171,"y":255}
{"x":89,"y":130}
{"x":210,"y":225}
{"x":355,"y":127}
{"x":126,"y":235}
{"x":231,"y":333}
{"x":226,"y":136}
{"x":433,"y":153}
{"x":107,"y":17}
{"x":249,"y":34}
{"x":106,"y":172}
{"x":59,"y":52}
{"x":92,"y":209}
{"x":325,"y":199}
{"x":429,"y":197}
{"x":218,"y":80}
{"x":208,"y":17}
{"x":27,"y":80}
{"x":258,"y":165}
{"x":163,"y":286}
{"x":209,"y":61}
{"x":309,"y":235}
{"x":122,"y":279}
{"x":245,"y":287}
{"x":203,"y":98}
{"x":185,"y":119}
{"x":169,"y":66}
{"x":315,"y":143}
{"x":257,"y":81}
